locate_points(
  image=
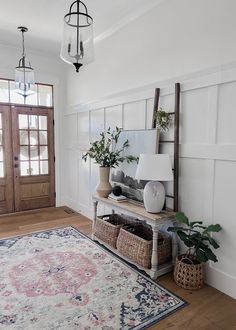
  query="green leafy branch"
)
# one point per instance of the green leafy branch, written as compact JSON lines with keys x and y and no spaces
{"x":104,"y":151}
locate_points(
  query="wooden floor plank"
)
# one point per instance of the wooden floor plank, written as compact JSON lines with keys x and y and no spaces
{"x":208,"y":308}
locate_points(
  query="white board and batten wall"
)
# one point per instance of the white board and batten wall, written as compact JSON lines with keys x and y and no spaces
{"x":207,"y":150}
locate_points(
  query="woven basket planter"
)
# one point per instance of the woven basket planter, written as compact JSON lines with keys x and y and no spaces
{"x":107,"y":227}
{"x":139,"y":249}
{"x":188,"y":275}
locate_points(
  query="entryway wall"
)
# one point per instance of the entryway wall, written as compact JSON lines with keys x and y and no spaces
{"x":207,"y":150}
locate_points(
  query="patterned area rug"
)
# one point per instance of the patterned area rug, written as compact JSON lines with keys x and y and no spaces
{"x":60,"y":279}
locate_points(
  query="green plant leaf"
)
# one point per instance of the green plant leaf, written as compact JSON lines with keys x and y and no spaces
{"x":181,"y":217}
{"x":210,"y":255}
{"x":214,"y":228}
{"x":185,"y":238}
{"x":201,"y":255}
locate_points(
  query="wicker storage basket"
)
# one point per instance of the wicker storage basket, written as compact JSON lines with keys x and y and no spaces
{"x":108,"y":226}
{"x":135,"y":242}
{"x":188,"y":275}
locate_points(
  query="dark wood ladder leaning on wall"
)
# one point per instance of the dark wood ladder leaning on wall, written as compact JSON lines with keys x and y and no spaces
{"x":176,"y":114}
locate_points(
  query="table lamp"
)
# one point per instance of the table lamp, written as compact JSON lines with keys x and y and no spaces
{"x":154,"y":167}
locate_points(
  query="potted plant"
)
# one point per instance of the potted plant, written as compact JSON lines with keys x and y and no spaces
{"x":188,"y":272}
{"x":105,"y":153}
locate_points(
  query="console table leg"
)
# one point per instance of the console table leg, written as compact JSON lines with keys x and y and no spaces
{"x":154,"y":260}
{"x":95,"y":207}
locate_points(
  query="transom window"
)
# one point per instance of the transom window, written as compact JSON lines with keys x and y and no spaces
{"x":43,"y":95}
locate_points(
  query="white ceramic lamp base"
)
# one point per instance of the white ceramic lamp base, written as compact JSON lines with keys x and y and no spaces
{"x":154,"y":196}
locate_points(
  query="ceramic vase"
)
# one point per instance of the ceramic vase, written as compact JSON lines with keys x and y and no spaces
{"x":104,"y":187}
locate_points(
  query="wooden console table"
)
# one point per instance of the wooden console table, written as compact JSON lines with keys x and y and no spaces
{"x":154,"y":220}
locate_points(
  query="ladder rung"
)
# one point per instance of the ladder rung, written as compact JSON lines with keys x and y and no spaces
{"x":166,"y":141}
{"x":171,"y":113}
{"x":169,"y":196}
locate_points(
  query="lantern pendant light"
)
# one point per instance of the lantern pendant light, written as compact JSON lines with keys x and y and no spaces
{"x":24,"y":73}
{"x":77,"y":44}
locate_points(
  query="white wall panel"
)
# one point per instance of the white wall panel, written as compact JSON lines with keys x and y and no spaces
{"x":193,"y":122}
{"x":134,"y":115}
{"x":193,"y":186}
{"x":83,"y":130}
{"x":83,"y":181}
{"x":96,"y":124}
{"x":227,"y":114}
{"x":71,"y":175}
{"x":224,"y":213}
{"x":113,"y":117}
{"x":70,"y":131}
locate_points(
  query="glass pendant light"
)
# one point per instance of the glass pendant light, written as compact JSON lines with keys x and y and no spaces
{"x":77,"y":45}
{"x":24,"y":73}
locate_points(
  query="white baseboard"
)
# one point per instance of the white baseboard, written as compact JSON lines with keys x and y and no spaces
{"x":221,"y":281}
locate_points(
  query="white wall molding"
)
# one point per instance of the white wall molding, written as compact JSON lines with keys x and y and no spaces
{"x":209,"y":151}
{"x":205,"y":78}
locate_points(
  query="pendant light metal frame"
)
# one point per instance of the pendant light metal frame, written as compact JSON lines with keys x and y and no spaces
{"x":78,"y":12}
{"x":23,"y":68}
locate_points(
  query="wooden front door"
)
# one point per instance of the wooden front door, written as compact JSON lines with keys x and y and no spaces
{"x":28,"y":177}
{"x":6,"y":173}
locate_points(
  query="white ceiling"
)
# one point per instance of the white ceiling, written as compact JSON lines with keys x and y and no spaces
{"x":44,"y":18}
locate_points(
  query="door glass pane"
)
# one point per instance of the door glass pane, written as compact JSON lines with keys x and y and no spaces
{"x":24,"y":168}
{"x":34,"y":152}
{"x":43,"y":122}
{"x":1,"y":170}
{"x":1,"y":154}
{"x":43,"y":137}
{"x":24,"y":138}
{"x":43,"y":152}
{"x":24,"y":153}
{"x":34,"y":167}
{"x":23,"y":121}
{"x":33,"y":138}
{"x":0,"y":120}
{"x":45,"y":95}
{"x":44,"y":167}
{"x":33,"y":122}
{"x":0,"y":136}
{"x":4,"y":91}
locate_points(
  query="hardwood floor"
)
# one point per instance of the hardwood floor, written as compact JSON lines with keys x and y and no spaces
{"x":208,"y":308}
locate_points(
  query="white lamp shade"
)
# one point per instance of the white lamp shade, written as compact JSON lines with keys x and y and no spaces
{"x":155,"y":167}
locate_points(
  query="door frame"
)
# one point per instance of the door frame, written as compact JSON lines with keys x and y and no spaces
{"x":13,"y":173}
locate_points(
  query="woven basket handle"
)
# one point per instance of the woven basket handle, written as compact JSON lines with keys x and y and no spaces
{"x":186,"y":258}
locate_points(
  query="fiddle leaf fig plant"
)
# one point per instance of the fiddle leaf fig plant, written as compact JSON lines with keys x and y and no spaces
{"x":105,"y":152}
{"x":197,"y":238}
{"x":163,"y":120}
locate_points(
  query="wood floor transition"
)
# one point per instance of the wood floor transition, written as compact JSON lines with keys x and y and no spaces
{"x":208,"y":308}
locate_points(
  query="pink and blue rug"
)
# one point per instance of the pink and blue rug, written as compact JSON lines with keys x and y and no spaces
{"x":60,"y":279}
